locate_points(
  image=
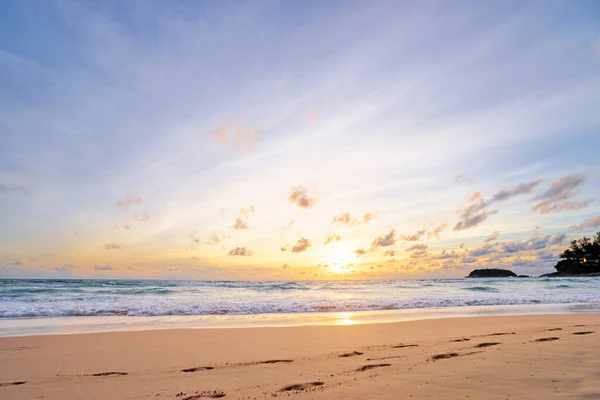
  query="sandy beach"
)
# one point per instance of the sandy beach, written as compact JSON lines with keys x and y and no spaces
{"x":519,"y":357}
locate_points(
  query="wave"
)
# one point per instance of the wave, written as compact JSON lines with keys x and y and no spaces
{"x":35,"y":298}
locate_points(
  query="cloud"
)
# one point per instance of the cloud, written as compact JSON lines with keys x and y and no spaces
{"x":419,"y":253}
{"x":141,"y":216}
{"x":113,"y":246}
{"x":215,"y":238}
{"x":246,"y":211}
{"x":240,"y":224}
{"x":415,"y":236}
{"x":291,"y":223}
{"x":15,"y":263}
{"x":444,"y":255}
{"x":389,"y":253}
{"x":16,"y":189}
{"x":589,"y":223}
{"x":517,"y":246}
{"x":347,"y":219}
{"x":521,"y":188}
{"x":240,"y":251}
{"x":299,"y":196}
{"x":368,"y":217}
{"x":554,"y":198}
{"x":343,"y":218}
{"x":331,"y":238}
{"x":233,"y":134}
{"x":435,"y":233}
{"x":474,"y":214}
{"x":360,"y":252}
{"x":285,"y":266}
{"x":285,"y":248}
{"x":546,"y":207}
{"x":492,"y":237}
{"x":129,"y":201}
{"x":301,"y":245}
{"x":460,"y":177}
{"x":194,"y":237}
{"x":103,"y":268}
{"x":546,"y":255}
{"x":417,"y":247}
{"x":388,"y":239}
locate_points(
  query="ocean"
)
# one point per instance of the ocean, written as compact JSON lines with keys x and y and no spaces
{"x":69,"y":306}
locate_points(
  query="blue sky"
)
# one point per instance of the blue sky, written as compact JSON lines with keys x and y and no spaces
{"x":132,"y":135}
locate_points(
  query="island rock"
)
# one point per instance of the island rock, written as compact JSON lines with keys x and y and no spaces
{"x":491,"y":273}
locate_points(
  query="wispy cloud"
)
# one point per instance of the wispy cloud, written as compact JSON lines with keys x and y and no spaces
{"x":414,"y":247}
{"x":589,"y":223}
{"x":332,"y":238}
{"x":215,"y":238}
{"x":493,"y":236}
{"x":194,"y":238}
{"x":103,"y":268}
{"x":17,"y":189}
{"x":520,"y":189}
{"x":113,"y":246}
{"x":554,"y":199}
{"x":233,"y":134}
{"x":414,"y":237}
{"x":240,"y":224}
{"x":129,"y":201}
{"x":474,"y":213}
{"x":299,"y":196}
{"x":246,"y":211}
{"x":389,"y":253}
{"x":240,"y":251}
{"x":141,"y":216}
{"x":347,"y":219}
{"x":435,"y":233}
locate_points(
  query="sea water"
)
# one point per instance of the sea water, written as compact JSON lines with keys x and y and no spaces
{"x":68,"y":306}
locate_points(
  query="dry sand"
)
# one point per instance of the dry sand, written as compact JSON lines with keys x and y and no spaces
{"x":524,"y":357}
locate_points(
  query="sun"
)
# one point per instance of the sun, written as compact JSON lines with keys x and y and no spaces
{"x":339,"y":258}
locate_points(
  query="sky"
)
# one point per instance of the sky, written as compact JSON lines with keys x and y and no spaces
{"x":268,"y":140}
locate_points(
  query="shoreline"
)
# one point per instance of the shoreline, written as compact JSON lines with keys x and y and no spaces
{"x":525,"y":357}
{"x":73,"y":325}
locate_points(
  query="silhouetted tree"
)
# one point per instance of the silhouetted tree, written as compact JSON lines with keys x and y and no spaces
{"x":582,"y":256}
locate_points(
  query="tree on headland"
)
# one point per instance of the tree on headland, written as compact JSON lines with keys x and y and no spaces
{"x":582,"y":256}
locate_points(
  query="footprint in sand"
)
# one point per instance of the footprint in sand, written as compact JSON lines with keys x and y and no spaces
{"x":460,"y":340}
{"x":205,"y":395}
{"x":499,"y":334}
{"x":401,"y":346}
{"x":110,"y":373}
{"x":196,"y":369}
{"x":275,"y":361}
{"x":353,"y":354}
{"x":371,"y":366}
{"x":582,"y":333}
{"x":444,"y":356}
{"x":3,"y":384}
{"x":547,"y":339}
{"x":302,"y":386}
{"x":487,"y":344}
{"x":554,"y":329}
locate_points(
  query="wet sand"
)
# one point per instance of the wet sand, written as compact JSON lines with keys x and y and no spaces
{"x":518,"y":357}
